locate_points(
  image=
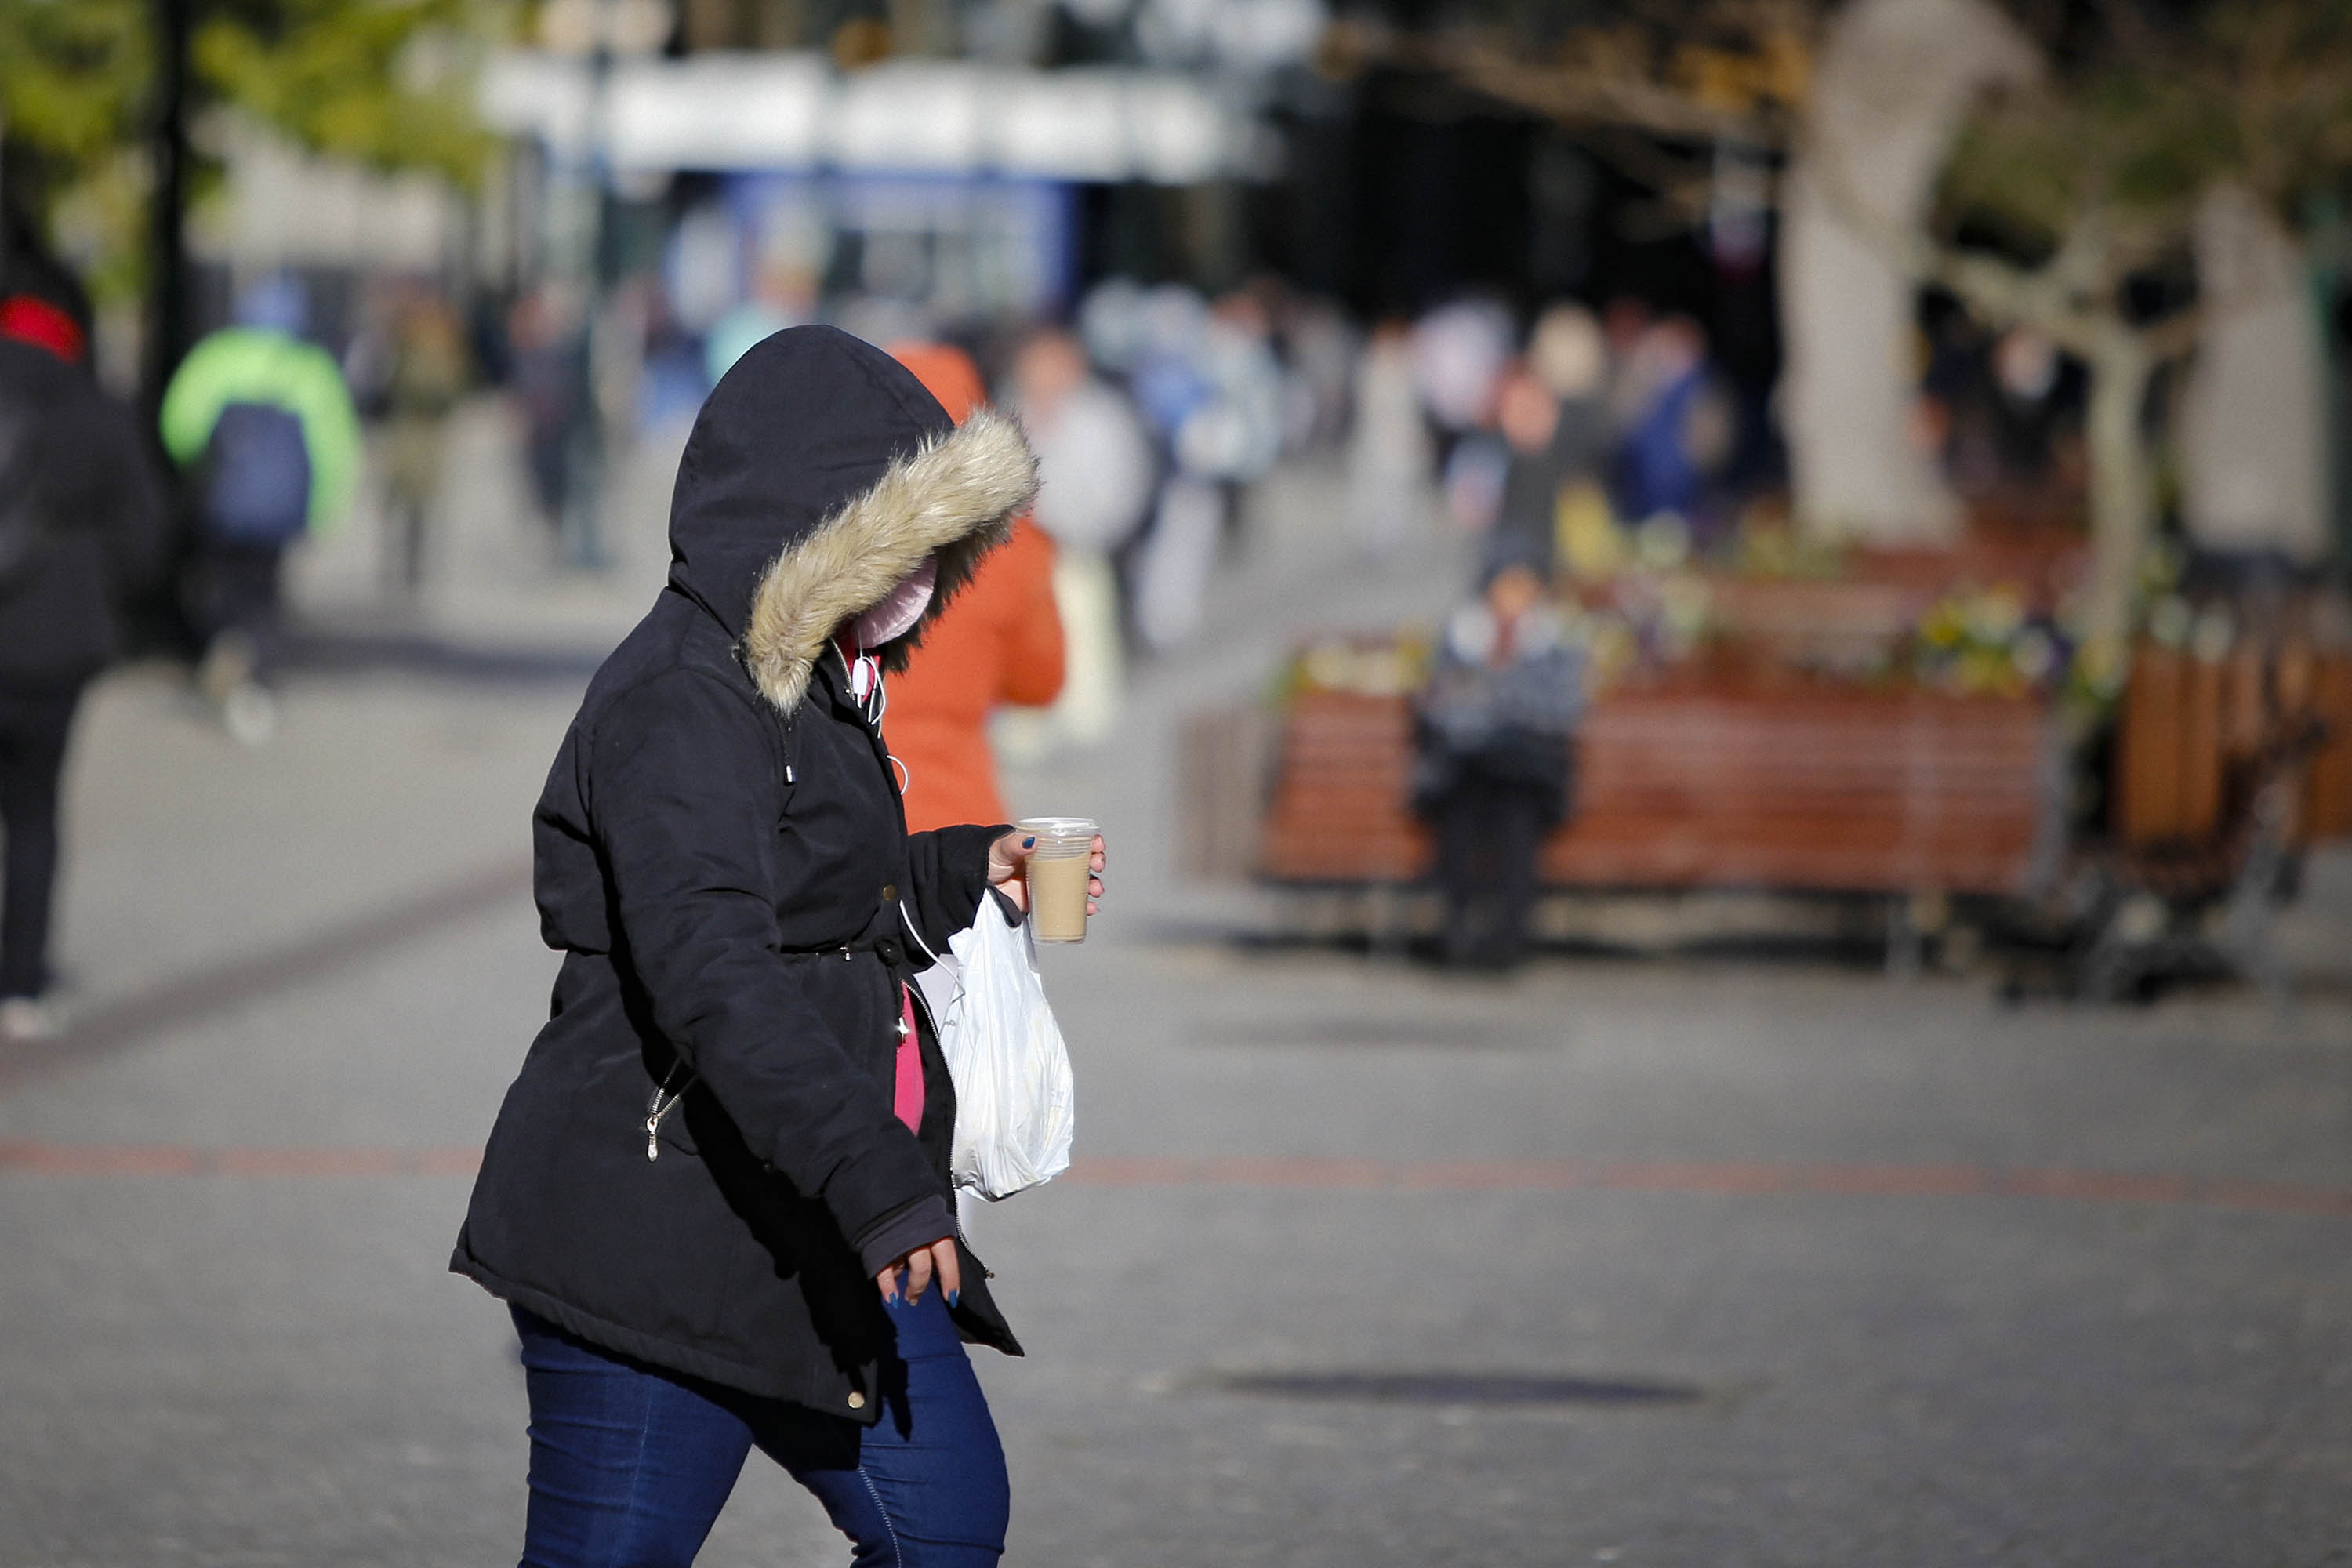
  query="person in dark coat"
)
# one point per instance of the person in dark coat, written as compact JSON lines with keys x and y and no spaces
{"x":82,"y":530}
{"x":717,"y":1199}
{"x":1492,"y":776}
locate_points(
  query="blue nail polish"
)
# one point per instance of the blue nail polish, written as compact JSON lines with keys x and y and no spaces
{"x":954,"y":1296}
{"x":889,"y":1300}
{"x":1029,"y":844}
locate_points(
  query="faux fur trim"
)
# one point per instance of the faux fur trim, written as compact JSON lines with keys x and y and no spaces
{"x":957,"y":497}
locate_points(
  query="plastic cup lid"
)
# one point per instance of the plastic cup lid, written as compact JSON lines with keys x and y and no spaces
{"x":1082,"y":828}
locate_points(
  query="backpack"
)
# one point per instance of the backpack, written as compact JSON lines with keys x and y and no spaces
{"x":255,"y":486}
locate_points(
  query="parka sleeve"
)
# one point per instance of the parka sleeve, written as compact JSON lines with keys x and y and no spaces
{"x":675,"y":774}
{"x":947,"y":870}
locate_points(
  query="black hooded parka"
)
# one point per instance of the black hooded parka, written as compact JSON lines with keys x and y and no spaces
{"x":721,"y":860}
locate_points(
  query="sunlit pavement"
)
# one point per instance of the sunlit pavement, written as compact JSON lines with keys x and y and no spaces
{"x":1640,"y":1261}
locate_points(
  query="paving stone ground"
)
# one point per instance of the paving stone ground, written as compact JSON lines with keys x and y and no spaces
{"x":1858,"y":1220}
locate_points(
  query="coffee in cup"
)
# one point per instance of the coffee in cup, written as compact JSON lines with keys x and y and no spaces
{"x":1057,"y":872}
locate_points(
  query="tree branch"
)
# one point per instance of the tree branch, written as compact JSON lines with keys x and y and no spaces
{"x":1590,"y":97}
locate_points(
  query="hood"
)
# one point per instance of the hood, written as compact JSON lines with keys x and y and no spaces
{"x":820,"y":473}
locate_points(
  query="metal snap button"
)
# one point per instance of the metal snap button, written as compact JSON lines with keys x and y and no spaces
{"x":856,"y":1400}
{"x":890,"y":892}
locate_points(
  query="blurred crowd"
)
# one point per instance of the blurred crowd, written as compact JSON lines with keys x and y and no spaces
{"x":1156,"y":409}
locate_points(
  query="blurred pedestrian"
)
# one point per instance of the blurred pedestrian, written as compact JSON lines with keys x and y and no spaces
{"x":1097,"y":470}
{"x":1390,"y":463}
{"x":999,"y":641}
{"x":1676,"y":428}
{"x":783,"y":295}
{"x":717,"y":1199}
{"x":547,"y":350}
{"x":1495,"y":728}
{"x":427,"y":375}
{"x":1553,"y":417}
{"x":261,"y":421}
{"x":1320,"y":349}
{"x":1223,"y":443}
{"x":81,"y":529}
{"x":1528,"y":416}
{"x":1460,"y":353}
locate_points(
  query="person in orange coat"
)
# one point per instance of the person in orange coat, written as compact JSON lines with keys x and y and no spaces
{"x":999,"y":641}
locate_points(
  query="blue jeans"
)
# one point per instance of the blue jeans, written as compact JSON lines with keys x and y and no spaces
{"x":630,"y":1465}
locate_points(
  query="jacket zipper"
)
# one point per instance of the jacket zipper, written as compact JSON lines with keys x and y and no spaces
{"x":663,"y":1102}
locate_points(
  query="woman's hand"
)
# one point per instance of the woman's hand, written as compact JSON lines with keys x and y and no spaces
{"x":1010,"y":853}
{"x":937,"y":1257}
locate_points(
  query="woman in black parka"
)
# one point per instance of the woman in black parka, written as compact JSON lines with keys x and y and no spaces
{"x":716,"y":1197}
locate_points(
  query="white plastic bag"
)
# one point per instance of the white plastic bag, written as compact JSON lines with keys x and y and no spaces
{"x":1014,"y":1093}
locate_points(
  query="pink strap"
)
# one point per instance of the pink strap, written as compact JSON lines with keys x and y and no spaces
{"x":907,"y":1087}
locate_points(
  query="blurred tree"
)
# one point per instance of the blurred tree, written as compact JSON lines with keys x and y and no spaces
{"x":93,"y":128}
{"x":383,"y":82}
{"x":1896,"y":81}
{"x":1654,"y":85}
{"x":386,"y":83}
{"x":73,"y":77}
{"x":2067,"y":205}
{"x":2070,"y":201}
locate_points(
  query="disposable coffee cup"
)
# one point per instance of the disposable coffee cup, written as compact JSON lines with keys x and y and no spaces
{"x":1057,"y":871}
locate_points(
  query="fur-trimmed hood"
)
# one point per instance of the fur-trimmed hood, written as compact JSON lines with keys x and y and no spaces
{"x":819,"y":475}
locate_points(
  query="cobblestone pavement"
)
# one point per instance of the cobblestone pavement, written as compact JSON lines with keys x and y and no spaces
{"x":1643,"y":1261}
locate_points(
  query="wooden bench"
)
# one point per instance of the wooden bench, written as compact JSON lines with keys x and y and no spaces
{"x":2187,"y":721}
{"x":1803,"y":786}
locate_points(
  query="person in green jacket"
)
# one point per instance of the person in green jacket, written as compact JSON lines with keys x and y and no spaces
{"x":261,"y":422}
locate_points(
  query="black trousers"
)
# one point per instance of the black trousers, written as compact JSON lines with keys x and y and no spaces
{"x":234,"y":587}
{"x":1489,"y":834}
{"x":34,"y":724}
